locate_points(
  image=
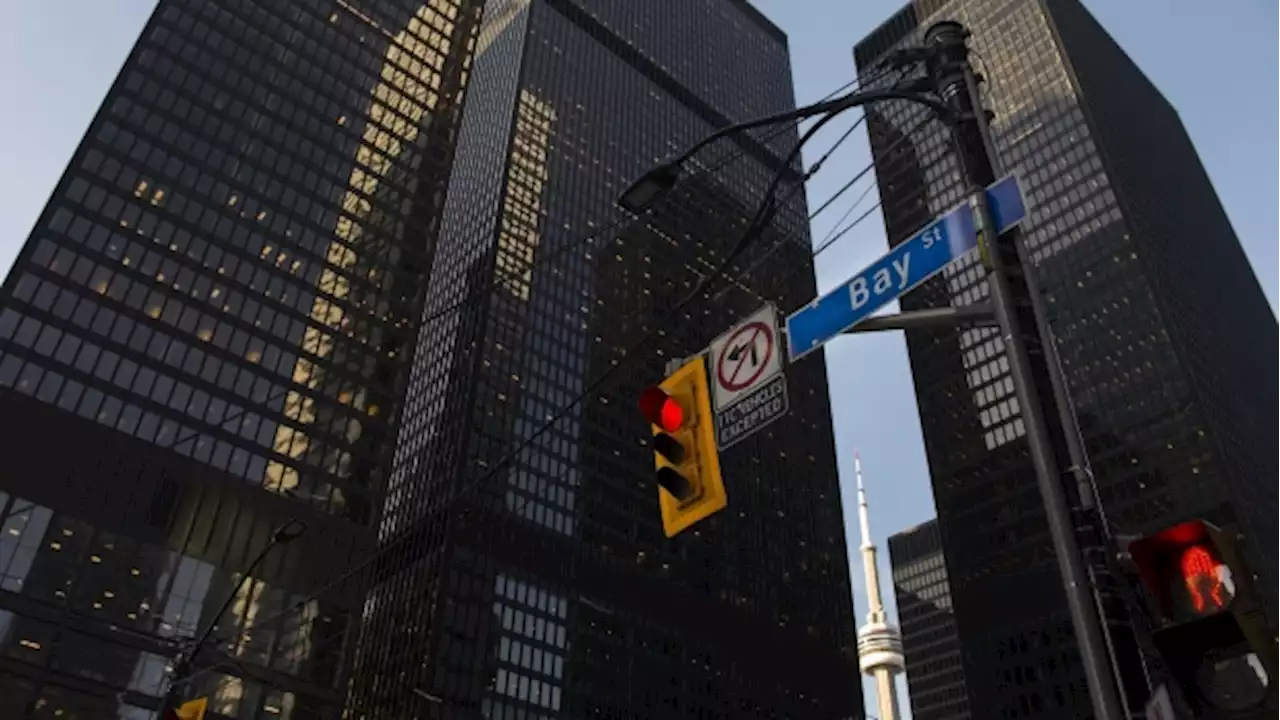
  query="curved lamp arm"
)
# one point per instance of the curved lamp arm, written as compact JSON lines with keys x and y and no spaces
{"x":662,"y":177}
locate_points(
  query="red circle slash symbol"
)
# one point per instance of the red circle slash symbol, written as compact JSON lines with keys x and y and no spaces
{"x":740,"y":352}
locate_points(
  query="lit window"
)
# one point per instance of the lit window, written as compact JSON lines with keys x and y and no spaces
{"x":253,"y":356}
{"x":140,"y":189}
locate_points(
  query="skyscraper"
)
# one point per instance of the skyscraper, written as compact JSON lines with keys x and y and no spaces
{"x":1166,"y":341}
{"x":531,"y":575}
{"x":935,"y":671}
{"x":207,"y":335}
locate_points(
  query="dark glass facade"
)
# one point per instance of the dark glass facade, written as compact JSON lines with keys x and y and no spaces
{"x":207,"y":334}
{"x":1167,"y":342}
{"x":543,"y":586}
{"x":935,"y":672}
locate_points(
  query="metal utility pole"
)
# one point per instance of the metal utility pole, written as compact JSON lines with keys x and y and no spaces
{"x":954,"y":81}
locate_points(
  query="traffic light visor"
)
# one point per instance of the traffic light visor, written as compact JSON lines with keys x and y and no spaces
{"x":661,"y":409}
{"x":1183,"y":569}
{"x":1232,"y":679}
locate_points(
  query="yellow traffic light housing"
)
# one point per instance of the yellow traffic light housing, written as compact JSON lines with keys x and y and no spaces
{"x":686,"y":461}
{"x":192,"y":709}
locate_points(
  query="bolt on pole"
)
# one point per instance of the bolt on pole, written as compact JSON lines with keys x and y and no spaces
{"x":955,"y":83}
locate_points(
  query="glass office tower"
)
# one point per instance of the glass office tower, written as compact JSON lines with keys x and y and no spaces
{"x":1167,"y":342}
{"x":207,"y":335}
{"x":935,"y":671}
{"x":539,"y":584}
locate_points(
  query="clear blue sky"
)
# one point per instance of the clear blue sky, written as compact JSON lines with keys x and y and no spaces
{"x":1215,"y":61}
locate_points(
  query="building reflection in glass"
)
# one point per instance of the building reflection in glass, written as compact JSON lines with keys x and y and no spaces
{"x":405,"y":95}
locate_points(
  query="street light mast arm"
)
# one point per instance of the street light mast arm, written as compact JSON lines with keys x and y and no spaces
{"x":282,"y":535}
{"x":663,"y":177}
{"x":840,"y":104}
{"x":231,"y":598}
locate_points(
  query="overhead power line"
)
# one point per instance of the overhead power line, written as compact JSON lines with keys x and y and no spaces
{"x":499,"y":275}
{"x":762,"y":219}
{"x":742,"y":276}
{"x":593,"y":387}
{"x":829,"y":241}
{"x":768,"y":208}
{"x":550,"y":423}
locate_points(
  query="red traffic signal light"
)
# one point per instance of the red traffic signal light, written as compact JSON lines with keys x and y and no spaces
{"x":659,"y":408}
{"x":666,"y":415}
{"x":1184,"y":571}
{"x":686,"y":459}
{"x":664,"y":412}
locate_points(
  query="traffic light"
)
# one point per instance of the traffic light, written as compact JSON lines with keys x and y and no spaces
{"x":1211,"y":626}
{"x":189,"y":710}
{"x":686,"y":461}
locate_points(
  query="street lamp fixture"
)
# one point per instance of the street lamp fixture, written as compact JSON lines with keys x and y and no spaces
{"x":655,"y":183}
{"x":287,"y":533}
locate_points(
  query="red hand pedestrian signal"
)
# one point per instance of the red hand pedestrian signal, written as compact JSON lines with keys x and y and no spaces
{"x":1203,"y":579}
{"x":1211,"y":626}
{"x":1184,"y":568}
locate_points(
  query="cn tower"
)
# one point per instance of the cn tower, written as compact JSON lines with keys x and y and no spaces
{"x":879,"y":642}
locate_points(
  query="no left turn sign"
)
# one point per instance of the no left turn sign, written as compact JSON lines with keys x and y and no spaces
{"x":746,"y":357}
{"x":744,"y":360}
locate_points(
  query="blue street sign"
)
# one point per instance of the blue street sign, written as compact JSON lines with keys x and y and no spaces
{"x":912,"y":262}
